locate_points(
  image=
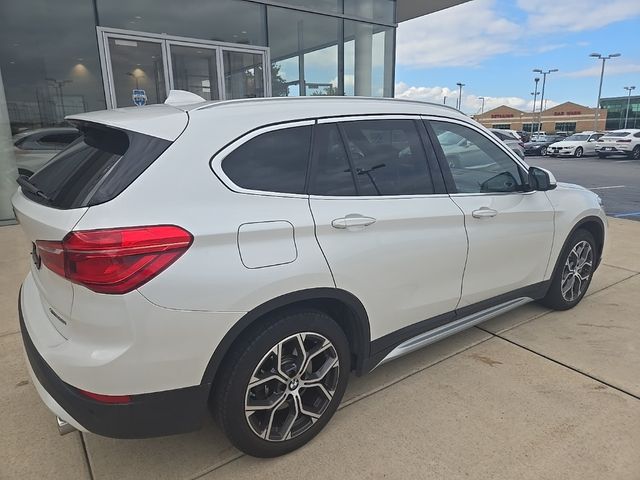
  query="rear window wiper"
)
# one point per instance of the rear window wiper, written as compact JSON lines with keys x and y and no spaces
{"x":25,"y":183}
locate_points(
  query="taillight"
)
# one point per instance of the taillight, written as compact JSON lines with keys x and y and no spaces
{"x":115,"y":260}
{"x":624,"y":141}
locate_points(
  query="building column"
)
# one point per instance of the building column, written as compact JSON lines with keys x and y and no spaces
{"x":363,"y":50}
{"x":8,"y":169}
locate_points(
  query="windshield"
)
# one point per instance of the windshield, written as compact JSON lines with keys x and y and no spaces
{"x":577,"y":138}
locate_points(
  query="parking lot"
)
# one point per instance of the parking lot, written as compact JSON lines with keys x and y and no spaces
{"x":615,"y":179}
{"x":533,"y":394}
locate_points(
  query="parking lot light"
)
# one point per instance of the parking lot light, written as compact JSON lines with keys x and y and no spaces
{"x":626,"y":117}
{"x":544,"y":81}
{"x":604,"y":59}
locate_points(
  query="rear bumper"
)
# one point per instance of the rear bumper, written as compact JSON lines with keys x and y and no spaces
{"x":146,"y":415}
{"x":615,"y":151}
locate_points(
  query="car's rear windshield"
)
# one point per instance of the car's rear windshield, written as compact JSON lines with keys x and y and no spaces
{"x":96,"y":167}
{"x":617,"y":134}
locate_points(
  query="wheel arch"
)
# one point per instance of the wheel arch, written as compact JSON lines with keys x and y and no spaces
{"x":593,"y":225}
{"x":342,"y":306}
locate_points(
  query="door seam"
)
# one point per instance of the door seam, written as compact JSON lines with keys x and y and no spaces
{"x":466,"y":260}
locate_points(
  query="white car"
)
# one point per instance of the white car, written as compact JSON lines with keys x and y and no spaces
{"x":247,"y":255}
{"x":576,"y":145}
{"x":620,"y":142}
{"x":510,"y":139}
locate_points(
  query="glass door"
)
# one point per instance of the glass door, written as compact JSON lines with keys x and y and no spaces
{"x":141,"y":68}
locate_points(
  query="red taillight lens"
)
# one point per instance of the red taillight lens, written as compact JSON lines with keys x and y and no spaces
{"x":111,"y":399}
{"x":623,"y":141}
{"x":116,"y":260}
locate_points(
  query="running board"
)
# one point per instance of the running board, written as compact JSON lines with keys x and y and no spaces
{"x":451,"y":328}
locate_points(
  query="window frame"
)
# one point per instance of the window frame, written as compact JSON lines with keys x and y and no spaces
{"x":433,"y":166}
{"x":216,"y":161}
{"x":444,"y":165}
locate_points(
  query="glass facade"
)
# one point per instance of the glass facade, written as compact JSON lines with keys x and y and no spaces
{"x":617,"y":112}
{"x":52,"y":63}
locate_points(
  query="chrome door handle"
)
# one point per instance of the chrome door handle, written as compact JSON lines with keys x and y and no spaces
{"x":484,"y":212}
{"x":352,"y":221}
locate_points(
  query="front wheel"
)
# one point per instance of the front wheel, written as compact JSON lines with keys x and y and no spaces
{"x":543,"y":151}
{"x":573,"y":273}
{"x":282,"y":383}
{"x":578,"y":152}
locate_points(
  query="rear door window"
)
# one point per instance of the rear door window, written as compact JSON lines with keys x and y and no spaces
{"x":274,"y":161}
{"x":382,"y":157}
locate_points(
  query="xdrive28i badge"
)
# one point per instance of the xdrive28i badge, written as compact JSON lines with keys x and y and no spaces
{"x":37,"y":260}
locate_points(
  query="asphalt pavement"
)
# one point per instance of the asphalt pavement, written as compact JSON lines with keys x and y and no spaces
{"x":616,"y":180}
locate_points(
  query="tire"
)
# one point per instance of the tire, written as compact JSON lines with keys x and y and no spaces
{"x":578,"y":152}
{"x":635,"y":153}
{"x":272,"y":350}
{"x":566,"y":272}
{"x":543,"y":151}
{"x":601,"y":155}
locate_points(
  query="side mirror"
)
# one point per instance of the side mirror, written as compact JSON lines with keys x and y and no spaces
{"x":541,"y":179}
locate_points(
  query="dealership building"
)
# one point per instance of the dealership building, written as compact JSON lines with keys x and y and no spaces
{"x":567,"y":117}
{"x":621,"y":110}
{"x":69,"y":56}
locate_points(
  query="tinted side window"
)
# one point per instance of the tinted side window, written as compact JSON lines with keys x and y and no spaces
{"x":477,"y":164}
{"x":388,"y":157}
{"x":273,"y":162}
{"x":332,"y":174}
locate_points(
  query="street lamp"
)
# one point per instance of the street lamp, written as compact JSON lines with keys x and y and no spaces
{"x":626,"y":117}
{"x":535,"y":96}
{"x":459,"y":103}
{"x":482,"y":108}
{"x":59,"y":84}
{"x":604,"y":59}
{"x":544,"y":81}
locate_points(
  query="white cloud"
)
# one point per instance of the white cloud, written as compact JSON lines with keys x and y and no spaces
{"x":576,"y":15}
{"x":471,"y":104}
{"x":464,"y":35}
{"x":612,"y":67}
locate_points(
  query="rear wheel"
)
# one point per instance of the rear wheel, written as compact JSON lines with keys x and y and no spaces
{"x":573,"y":273}
{"x":282,"y":383}
{"x":635,"y":153}
{"x":578,"y":152}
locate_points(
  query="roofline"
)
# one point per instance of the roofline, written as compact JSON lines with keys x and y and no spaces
{"x":215,"y":103}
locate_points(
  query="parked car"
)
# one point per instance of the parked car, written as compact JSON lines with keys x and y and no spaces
{"x":576,"y":145}
{"x":34,"y":148}
{"x":251,"y":267}
{"x":539,"y":144}
{"x":619,"y":142}
{"x":524,"y":136}
{"x":510,"y":140}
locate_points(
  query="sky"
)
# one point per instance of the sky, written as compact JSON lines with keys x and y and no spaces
{"x":492,"y":46}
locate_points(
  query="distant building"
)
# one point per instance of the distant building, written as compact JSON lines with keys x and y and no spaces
{"x":566,"y":117}
{"x":617,"y":109}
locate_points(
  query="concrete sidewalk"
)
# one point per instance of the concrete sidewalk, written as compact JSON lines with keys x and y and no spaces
{"x":532,"y":394}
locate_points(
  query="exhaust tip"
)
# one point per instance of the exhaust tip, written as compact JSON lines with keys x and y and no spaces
{"x":64,"y":427}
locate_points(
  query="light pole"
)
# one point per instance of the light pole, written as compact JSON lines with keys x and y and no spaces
{"x":459,"y":103}
{"x":444,"y":101}
{"x":604,"y":59}
{"x":544,"y":81}
{"x":481,"y":108}
{"x":626,"y":117}
{"x":60,"y":84}
{"x":535,"y":97}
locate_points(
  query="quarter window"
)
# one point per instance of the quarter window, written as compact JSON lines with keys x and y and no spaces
{"x":384,"y":157}
{"x":477,"y":164}
{"x":273,"y":162}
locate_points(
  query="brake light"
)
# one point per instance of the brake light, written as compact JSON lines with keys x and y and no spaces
{"x":624,"y":141}
{"x":116,"y":260}
{"x":111,"y":399}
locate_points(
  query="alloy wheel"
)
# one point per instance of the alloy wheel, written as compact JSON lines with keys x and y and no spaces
{"x":635,"y":154}
{"x":577,"y":271}
{"x":292,"y":386}
{"x":578,"y":152}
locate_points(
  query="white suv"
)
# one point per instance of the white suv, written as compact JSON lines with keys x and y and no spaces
{"x":248,"y":255}
{"x":620,"y":142}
